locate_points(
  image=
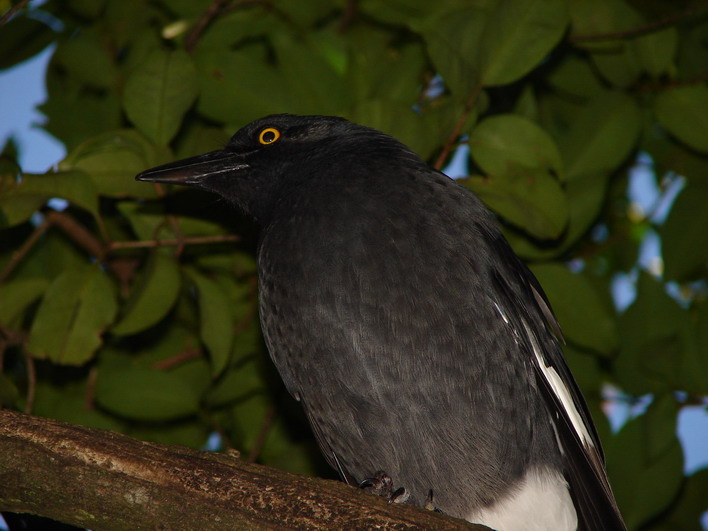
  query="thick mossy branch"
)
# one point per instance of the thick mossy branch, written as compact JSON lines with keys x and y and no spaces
{"x":107,"y":481}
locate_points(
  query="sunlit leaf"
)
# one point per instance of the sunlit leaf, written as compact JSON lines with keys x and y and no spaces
{"x":517,"y":36}
{"x":645,"y":483}
{"x":601,"y":137}
{"x":503,"y":142}
{"x":650,"y":340}
{"x":584,"y":318}
{"x":684,"y":235}
{"x":530,"y":199}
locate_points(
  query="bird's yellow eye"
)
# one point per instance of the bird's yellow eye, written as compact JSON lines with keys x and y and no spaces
{"x":268,"y":135}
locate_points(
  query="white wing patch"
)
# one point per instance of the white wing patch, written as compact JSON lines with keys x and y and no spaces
{"x":560,"y":390}
{"x":554,"y":380}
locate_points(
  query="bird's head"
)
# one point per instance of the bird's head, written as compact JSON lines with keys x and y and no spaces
{"x":268,"y":158}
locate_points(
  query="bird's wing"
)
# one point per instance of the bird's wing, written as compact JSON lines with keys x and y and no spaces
{"x":526,"y":309}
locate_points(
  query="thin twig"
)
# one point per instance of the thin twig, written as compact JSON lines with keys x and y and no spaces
{"x":18,"y":255}
{"x":672,"y":83}
{"x":80,"y":234}
{"x":226,"y":443}
{"x":641,"y":30}
{"x":211,"y":12}
{"x":349,"y":14}
{"x":173,"y":221}
{"x":160,"y":243}
{"x":31,"y":382}
{"x":457,"y":129}
{"x":90,"y":395}
{"x":215,"y":9}
{"x":262,"y":434}
{"x":10,"y":12}
{"x":178,"y":359}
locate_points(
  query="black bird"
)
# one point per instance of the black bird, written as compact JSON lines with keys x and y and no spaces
{"x":416,"y":340}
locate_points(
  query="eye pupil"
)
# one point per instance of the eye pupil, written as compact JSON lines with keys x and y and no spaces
{"x":269,"y":135}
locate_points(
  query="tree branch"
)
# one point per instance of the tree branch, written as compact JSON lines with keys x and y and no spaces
{"x":14,"y":9}
{"x":160,"y":243}
{"x":27,"y":245}
{"x":108,"y":481}
{"x":457,"y":129}
{"x":641,"y":30}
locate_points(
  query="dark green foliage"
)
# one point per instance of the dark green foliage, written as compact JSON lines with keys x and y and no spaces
{"x":555,"y":98}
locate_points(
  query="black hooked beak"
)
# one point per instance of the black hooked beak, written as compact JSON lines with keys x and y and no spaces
{"x":194,"y":170}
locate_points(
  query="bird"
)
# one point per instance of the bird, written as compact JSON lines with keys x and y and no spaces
{"x":424,"y":352}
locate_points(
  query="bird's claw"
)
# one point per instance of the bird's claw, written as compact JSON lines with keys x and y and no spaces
{"x":381,"y":484}
{"x":429,"y":505}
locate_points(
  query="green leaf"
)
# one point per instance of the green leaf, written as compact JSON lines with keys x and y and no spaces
{"x":67,"y":402}
{"x":503,"y":142}
{"x":530,"y":199}
{"x":100,"y":111}
{"x":574,"y":76}
{"x":584,"y":318}
{"x":650,"y":346}
{"x":216,"y":321}
{"x":518,"y":35}
{"x":142,"y":393}
{"x":148,"y":221}
{"x":684,"y":237}
{"x":683,"y":111}
{"x":600,"y":17}
{"x":17,"y":295}
{"x":74,"y":186}
{"x":16,"y":209}
{"x":601,"y":136}
{"x":238,"y":383}
{"x":646,"y":482}
{"x":113,"y":159}
{"x":370,"y":59}
{"x":190,"y":432}
{"x":21,"y":38}
{"x":75,"y":311}
{"x":656,"y":51}
{"x":398,"y":120}
{"x":86,"y":59}
{"x":8,"y":392}
{"x":312,"y":81}
{"x":690,"y":508}
{"x":227,"y":94}
{"x":452,"y":41}
{"x":492,"y":46}
{"x":153,"y":296}
{"x":158,"y":92}
{"x":617,"y":65}
{"x":695,"y":372}
{"x":25,"y":197}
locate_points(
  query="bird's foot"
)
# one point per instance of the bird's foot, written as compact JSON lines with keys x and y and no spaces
{"x":381,"y":484}
{"x":429,"y":505}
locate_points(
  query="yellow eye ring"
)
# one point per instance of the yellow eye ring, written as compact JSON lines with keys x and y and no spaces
{"x":268,"y":135}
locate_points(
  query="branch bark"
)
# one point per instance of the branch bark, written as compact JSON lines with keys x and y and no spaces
{"x":107,"y":481}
